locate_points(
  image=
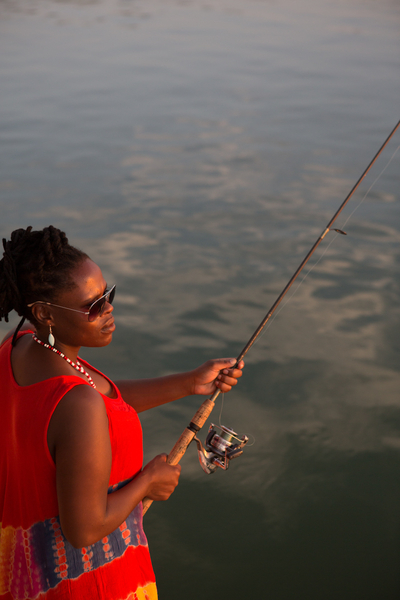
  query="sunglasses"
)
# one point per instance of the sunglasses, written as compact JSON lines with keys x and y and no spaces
{"x":95,"y":310}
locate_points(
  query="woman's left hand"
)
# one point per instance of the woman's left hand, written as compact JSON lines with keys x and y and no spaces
{"x":217,"y":373}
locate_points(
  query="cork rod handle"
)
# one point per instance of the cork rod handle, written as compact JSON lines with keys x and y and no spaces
{"x":187,"y":436}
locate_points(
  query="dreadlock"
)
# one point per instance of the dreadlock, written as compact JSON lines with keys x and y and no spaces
{"x":36,"y":265}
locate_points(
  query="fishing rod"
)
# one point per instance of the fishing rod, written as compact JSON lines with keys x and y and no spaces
{"x":223,"y":446}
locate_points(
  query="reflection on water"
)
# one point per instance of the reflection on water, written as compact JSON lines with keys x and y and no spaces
{"x":196,"y":150}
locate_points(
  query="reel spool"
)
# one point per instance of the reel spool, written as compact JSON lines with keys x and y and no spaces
{"x":220,"y":448}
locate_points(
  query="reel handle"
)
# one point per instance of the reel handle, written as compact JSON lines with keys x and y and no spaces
{"x":186,"y":437}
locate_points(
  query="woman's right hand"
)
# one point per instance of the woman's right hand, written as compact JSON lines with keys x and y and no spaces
{"x":161,"y":478}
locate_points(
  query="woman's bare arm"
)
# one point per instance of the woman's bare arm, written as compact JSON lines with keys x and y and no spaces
{"x":144,"y":394}
{"x":79,"y":440}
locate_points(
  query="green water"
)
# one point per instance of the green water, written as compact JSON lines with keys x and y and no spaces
{"x":196,"y":150}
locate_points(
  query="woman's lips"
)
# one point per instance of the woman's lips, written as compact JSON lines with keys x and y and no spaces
{"x":109,"y":327}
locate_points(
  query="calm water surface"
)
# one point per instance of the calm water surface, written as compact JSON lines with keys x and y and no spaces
{"x":196,"y":150}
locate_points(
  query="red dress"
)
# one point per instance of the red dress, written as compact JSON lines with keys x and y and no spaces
{"x":36,"y":560}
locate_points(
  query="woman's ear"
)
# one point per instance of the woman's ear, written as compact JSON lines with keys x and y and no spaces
{"x":42,"y":314}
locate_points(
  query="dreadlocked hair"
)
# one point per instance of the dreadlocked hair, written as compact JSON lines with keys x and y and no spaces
{"x":36,"y":265}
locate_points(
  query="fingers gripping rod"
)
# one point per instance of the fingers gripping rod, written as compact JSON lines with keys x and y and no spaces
{"x":206,"y":408}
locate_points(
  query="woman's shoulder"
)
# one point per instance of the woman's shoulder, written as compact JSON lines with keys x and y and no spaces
{"x":79,"y":416}
{"x":82,"y":401}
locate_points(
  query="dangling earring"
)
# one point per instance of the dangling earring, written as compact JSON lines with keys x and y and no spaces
{"x":51,"y":337}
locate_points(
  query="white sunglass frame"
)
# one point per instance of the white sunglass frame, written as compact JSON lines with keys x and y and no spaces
{"x":83,"y":312}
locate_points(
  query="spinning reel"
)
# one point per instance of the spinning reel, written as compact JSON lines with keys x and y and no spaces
{"x":220,"y":448}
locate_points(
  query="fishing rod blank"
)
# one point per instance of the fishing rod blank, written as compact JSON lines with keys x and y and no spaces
{"x":205,"y":409}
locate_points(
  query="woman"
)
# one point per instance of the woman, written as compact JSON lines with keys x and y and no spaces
{"x":71,"y":477}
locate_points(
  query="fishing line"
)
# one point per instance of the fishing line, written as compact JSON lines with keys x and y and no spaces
{"x":222,"y":406}
{"x":372,"y":185}
{"x":223,"y":446}
{"x":268,"y":325}
{"x":249,"y":435}
{"x":289,"y":298}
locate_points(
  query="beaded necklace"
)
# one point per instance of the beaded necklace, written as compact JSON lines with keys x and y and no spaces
{"x":76,"y":365}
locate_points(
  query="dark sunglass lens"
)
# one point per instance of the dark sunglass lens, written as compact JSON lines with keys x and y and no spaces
{"x":98,"y":307}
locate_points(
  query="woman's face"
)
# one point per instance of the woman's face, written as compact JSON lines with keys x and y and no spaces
{"x":73,"y":328}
